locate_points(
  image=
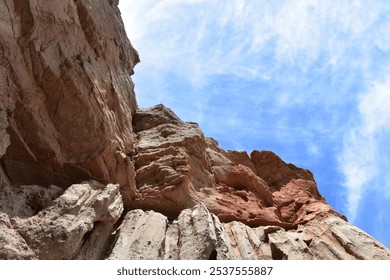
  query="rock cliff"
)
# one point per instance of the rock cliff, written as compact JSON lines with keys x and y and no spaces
{"x":86,"y":174}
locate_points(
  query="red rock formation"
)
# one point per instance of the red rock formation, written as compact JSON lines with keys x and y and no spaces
{"x":177,"y":167}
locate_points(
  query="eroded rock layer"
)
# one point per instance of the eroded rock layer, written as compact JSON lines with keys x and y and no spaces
{"x":86,"y":174}
{"x":178,"y":167}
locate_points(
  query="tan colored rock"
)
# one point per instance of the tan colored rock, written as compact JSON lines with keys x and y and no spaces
{"x":196,"y":226}
{"x":171,"y":162}
{"x":58,"y":231}
{"x":177,"y":167}
{"x":198,"y":234}
{"x":12,"y":245}
{"x":240,"y":241}
{"x":4,"y":137}
{"x":97,"y":243}
{"x":26,"y":201}
{"x":171,"y":245}
{"x":356,"y":242}
{"x":141,"y":236}
{"x":289,"y":246}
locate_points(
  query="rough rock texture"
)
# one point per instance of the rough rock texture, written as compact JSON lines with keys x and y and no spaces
{"x":85,"y":174}
{"x":64,"y":229}
{"x":198,"y":234}
{"x":12,"y":245}
{"x":140,"y":234}
{"x":65,"y":82}
{"x":177,"y":167}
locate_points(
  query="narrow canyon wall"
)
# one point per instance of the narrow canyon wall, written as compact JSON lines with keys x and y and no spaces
{"x":86,"y":174}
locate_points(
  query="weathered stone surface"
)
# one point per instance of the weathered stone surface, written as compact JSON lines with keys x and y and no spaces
{"x":26,"y":201}
{"x":141,"y":236}
{"x":198,"y":234}
{"x":196,"y":226}
{"x":177,"y":167}
{"x":4,"y":137}
{"x":58,"y":231}
{"x":170,"y":161}
{"x":66,"y":88}
{"x":294,"y":190}
{"x":12,"y":245}
{"x":356,"y":242}
{"x":289,"y":245}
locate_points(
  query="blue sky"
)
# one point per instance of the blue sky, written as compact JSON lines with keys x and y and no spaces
{"x":307,"y":79}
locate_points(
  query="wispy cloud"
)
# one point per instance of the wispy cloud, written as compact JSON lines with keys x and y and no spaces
{"x":365,"y":157}
{"x":252,"y":39}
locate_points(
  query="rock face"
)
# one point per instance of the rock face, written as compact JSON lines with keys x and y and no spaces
{"x":177,"y":167}
{"x":65,"y":68}
{"x":86,"y":174}
{"x":76,"y":225}
{"x":197,"y":235}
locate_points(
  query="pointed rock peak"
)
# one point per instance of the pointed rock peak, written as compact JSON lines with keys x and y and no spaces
{"x":277,"y":173}
{"x":145,"y":119}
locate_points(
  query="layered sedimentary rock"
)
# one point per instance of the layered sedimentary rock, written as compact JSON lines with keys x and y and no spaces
{"x":86,"y":174}
{"x":178,"y":167}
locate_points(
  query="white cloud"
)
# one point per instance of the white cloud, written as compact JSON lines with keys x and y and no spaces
{"x":365,"y":158}
{"x":198,"y":39}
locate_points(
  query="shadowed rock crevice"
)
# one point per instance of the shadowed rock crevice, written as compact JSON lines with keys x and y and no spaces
{"x":213,"y":255}
{"x":277,"y":254}
{"x":22,"y":9}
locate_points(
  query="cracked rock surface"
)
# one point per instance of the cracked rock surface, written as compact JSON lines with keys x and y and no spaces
{"x":198,"y":234}
{"x":65,"y":228}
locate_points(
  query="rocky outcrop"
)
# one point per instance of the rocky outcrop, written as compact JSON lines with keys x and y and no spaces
{"x":66,"y":89}
{"x":198,"y":234}
{"x":77,"y":224}
{"x":178,"y":167}
{"x":86,"y":174}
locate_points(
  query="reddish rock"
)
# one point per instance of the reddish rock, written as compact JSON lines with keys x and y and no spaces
{"x":177,"y":167}
{"x":294,"y":189}
{"x":64,"y":75}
